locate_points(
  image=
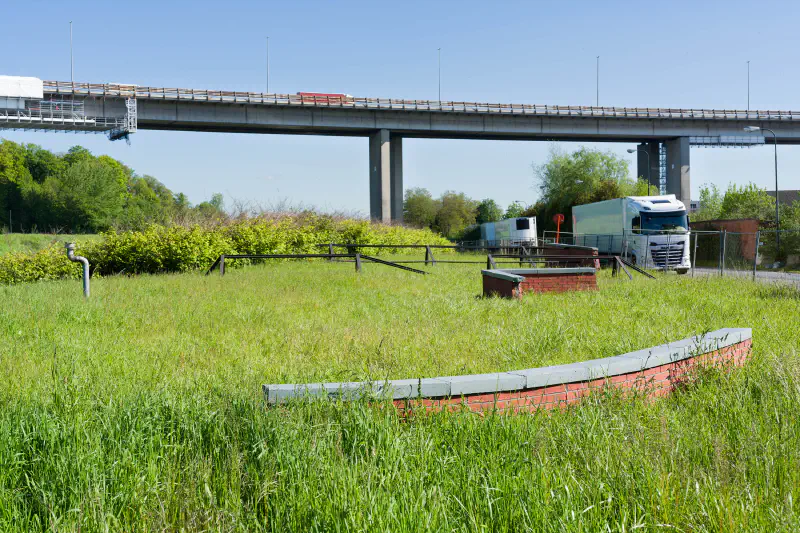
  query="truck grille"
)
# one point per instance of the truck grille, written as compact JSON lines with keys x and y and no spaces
{"x":672,"y":255}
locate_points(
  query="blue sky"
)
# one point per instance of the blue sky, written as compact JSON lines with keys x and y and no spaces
{"x":674,"y":54}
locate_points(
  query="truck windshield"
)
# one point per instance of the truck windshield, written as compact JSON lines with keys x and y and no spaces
{"x":666,"y":221}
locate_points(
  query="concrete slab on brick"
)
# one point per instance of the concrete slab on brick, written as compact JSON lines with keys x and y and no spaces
{"x":281,"y":393}
{"x":502,"y":274}
{"x":565,"y":270}
{"x":485,"y":383}
{"x":520,"y":379}
{"x":400,"y":389}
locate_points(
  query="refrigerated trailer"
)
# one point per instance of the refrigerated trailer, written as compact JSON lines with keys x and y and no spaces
{"x":651,"y":231}
{"x":510,"y":231}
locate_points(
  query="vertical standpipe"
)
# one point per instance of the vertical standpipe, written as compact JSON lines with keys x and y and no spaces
{"x":85,"y":262}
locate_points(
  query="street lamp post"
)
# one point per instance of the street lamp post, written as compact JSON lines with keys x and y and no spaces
{"x":748,"y":86}
{"x":439,"y":50}
{"x":597,"y":83}
{"x":71,"y":63}
{"x":267,"y":65}
{"x":752,"y":129}
{"x":649,"y":169}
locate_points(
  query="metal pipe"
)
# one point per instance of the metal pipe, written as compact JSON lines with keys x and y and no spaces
{"x":85,"y":262}
{"x":755,"y":259}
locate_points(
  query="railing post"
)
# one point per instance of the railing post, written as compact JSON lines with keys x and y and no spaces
{"x":429,"y":255}
{"x":669,"y":252}
{"x":330,"y":251}
{"x":755,"y":258}
{"x":694,"y":254}
{"x":722,"y":258}
{"x":358,"y":262}
{"x":222,"y":265}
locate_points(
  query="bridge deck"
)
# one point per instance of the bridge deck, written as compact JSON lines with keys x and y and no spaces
{"x":107,"y":90}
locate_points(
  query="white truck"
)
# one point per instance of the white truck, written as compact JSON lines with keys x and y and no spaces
{"x":650,"y":231}
{"x":510,"y":231}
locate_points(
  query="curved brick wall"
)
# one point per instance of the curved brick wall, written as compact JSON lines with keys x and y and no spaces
{"x":652,"y":371}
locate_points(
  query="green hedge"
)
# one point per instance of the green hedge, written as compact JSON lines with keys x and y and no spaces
{"x":181,"y":249}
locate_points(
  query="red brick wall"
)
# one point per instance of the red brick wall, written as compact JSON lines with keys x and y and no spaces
{"x":652,"y":383}
{"x":558,"y":282}
{"x":747,"y":226}
{"x":500,"y":287}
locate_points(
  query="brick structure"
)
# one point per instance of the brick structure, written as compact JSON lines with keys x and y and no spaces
{"x":514,"y":282}
{"x":652,"y":373}
{"x":747,"y":227}
{"x":552,"y":248}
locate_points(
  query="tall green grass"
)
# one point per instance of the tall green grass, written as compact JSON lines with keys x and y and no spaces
{"x":33,"y":242}
{"x":140,"y":409}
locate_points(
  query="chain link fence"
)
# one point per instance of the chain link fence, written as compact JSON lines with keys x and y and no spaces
{"x":765,"y":255}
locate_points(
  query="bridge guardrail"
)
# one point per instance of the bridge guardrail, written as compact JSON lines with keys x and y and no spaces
{"x":393,"y":104}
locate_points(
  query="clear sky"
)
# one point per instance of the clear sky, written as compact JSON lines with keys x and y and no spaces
{"x":667,"y":54}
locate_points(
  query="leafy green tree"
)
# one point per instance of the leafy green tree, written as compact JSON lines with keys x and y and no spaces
{"x":581,"y":177}
{"x":747,"y":201}
{"x":77,"y":191}
{"x":211,"y":209}
{"x":457,"y":212}
{"x":91,"y":195}
{"x":419,"y":208}
{"x":514,"y":210}
{"x":488,"y":211}
{"x":14,"y":176}
{"x":710,"y":203}
{"x":42,"y":163}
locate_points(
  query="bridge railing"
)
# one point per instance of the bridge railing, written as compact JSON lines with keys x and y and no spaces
{"x":101,"y":90}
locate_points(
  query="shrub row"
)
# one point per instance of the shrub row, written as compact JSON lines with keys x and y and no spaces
{"x":182,"y":249}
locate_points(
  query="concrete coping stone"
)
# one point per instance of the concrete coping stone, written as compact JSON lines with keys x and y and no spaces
{"x":518,"y":274}
{"x":454,"y":386}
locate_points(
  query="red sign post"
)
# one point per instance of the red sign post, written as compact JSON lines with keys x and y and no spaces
{"x":558,"y":219}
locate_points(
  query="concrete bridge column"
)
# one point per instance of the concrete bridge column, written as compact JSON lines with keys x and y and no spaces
{"x":385,"y":176}
{"x":651,"y":149}
{"x":678,"y":182}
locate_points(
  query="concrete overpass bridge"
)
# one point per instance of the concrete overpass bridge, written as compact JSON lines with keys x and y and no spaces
{"x":665,"y":134}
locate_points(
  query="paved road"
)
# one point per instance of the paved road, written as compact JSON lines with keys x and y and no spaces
{"x":761,"y":275}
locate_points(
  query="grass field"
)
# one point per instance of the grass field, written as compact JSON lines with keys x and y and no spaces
{"x":33,"y":242}
{"x":141,"y":409}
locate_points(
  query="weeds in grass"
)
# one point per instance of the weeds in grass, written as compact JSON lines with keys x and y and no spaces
{"x":140,"y":410}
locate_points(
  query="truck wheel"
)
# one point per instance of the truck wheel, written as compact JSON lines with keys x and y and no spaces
{"x":681,"y":271}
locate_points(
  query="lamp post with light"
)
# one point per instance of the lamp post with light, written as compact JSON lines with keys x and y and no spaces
{"x":753,"y":129}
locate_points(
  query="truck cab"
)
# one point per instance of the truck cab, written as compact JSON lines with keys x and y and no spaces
{"x":651,"y":231}
{"x":658,"y":228}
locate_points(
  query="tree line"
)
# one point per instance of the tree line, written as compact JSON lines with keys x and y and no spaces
{"x":78,"y":192}
{"x":744,"y":201}
{"x":566,"y":179}
{"x":453,"y":214}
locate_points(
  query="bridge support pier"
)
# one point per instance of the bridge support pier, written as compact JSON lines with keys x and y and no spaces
{"x":642,"y":172}
{"x":678,"y":176}
{"x":385,"y":176}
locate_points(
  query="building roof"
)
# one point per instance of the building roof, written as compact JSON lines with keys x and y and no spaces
{"x":786,"y":197}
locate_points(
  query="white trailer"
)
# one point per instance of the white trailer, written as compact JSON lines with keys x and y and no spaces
{"x":510,"y":231}
{"x":14,"y":90}
{"x":651,"y":231}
